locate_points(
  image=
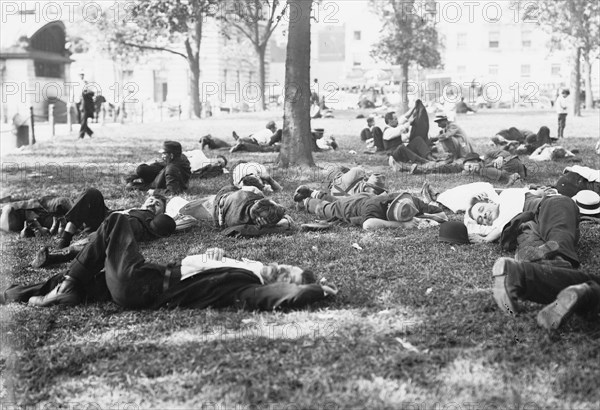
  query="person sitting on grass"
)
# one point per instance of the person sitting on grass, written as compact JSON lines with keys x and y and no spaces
{"x":265,"y":140}
{"x":111,"y":267}
{"x":396,"y":210}
{"x":396,"y":130}
{"x":90,"y":211}
{"x":171,"y":173}
{"x":454,"y":142}
{"x":418,"y":149}
{"x":340,"y":182}
{"x":372,"y":135}
{"x":463,"y":108}
{"x":35,"y":217}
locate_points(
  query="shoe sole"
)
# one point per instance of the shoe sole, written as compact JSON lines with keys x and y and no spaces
{"x":40,"y":258}
{"x":554,"y":315}
{"x":63,"y":301}
{"x":503,"y":300}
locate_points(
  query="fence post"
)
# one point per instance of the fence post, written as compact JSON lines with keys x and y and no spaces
{"x":69,"y":119}
{"x":31,"y":125}
{"x":179,"y":107}
{"x":51,"y":119}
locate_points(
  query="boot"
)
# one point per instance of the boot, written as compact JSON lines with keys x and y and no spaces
{"x":582,"y":299}
{"x":27,"y":231}
{"x":46,"y":258}
{"x":66,"y":293}
{"x":65,"y":240}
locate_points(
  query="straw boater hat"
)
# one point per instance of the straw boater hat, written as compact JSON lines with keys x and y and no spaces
{"x":588,"y":203}
{"x":402,"y":208}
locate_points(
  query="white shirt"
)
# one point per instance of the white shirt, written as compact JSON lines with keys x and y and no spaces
{"x":511,"y":201}
{"x":248,"y":168}
{"x":561,"y":105}
{"x":195,"y":264}
{"x":390,"y":133}
{"x":198,"y":159}
{"x":263,"y":137}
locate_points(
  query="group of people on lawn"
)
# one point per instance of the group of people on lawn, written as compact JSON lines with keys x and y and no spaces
{"x":542,"y":225}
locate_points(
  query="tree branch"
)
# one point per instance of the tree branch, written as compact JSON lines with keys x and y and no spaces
{"x":143,"y":47}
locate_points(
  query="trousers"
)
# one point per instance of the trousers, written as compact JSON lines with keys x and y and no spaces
{"x":131,"y":281}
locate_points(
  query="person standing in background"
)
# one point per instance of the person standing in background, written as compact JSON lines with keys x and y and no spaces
{"x":562,"y":109}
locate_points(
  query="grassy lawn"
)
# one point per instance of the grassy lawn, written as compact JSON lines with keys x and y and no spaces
{"x":414,"y":325}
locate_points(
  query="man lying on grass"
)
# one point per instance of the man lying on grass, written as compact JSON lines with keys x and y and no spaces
{"x":545,"y":231}
{"x":341,"y":181}
{"x":370,"y":211}
{"x":112,"y":268}
{"x":245,"y":209}
{"x":90,"y":211}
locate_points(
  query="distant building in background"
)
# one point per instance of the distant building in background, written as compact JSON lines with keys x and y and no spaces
{"x":227,"y":66}
{"x":37,"y":68}
{"x":495,"y":46}
{"x":34,"y":66}
{"x":509,"y":58}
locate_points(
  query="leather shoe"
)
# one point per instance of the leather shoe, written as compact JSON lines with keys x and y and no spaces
{"x":63,"y":294}
{"x":40,"y":258}
{"x":567,"y":301}
{"x":503,"y":268}
{"x":302,"y":192}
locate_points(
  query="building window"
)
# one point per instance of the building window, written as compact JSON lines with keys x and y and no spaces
{"x":494,"y":39}
{"x":461,"y":40}
{"x":493,"y":69}
{"x":526,"y":39}
{"x":47,"y":69}
{"x":525,"y":70}
{"x":461,"y":69}
{"x":555,"y":70}
{"x":357,"y":35}
{"x":356,"y":58}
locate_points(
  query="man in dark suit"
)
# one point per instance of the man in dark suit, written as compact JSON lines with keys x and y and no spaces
{"x":171,"y":173}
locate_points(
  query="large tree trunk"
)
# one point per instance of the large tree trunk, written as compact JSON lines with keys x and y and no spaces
{"x":587,"y":66}
{"x":296,"y":148}
{"x":576,"y":83}
{"x":404,"y":89}
{"x":262,"y":75}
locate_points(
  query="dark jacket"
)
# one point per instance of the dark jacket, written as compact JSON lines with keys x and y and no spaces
{"x":232,"y":206}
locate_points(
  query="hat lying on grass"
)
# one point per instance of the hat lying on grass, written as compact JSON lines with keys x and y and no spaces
{"x":162,"y":226}
{"x":454,"y":232}
{"x":588,"y":203}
